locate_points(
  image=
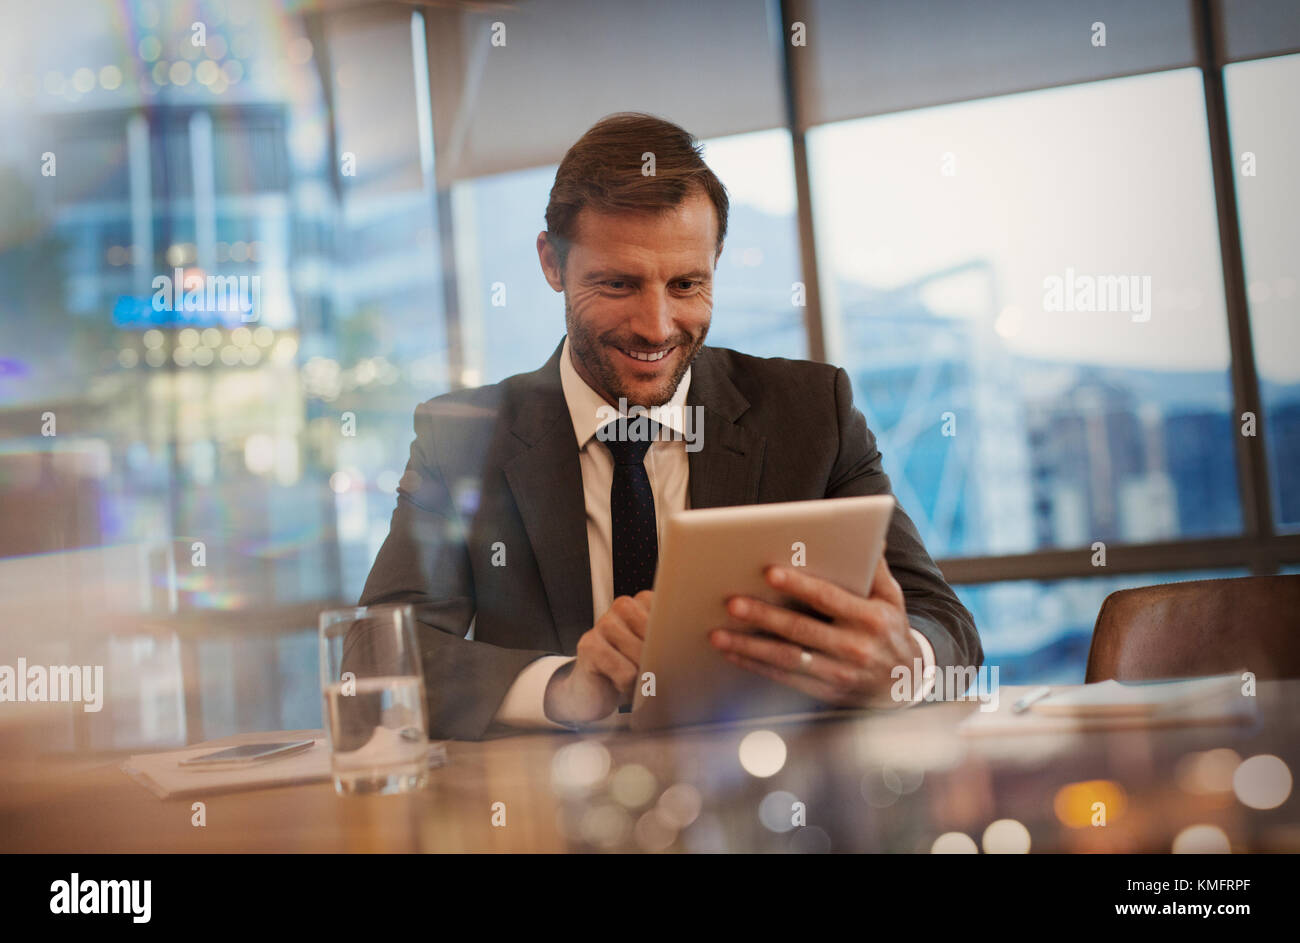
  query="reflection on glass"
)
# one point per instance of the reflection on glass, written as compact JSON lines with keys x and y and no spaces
{"x":231,"y":321}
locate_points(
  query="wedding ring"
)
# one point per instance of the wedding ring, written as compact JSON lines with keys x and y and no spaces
{"x":805,"y":658}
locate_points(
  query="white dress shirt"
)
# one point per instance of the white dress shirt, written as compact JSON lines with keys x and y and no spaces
{"x":668,"y":468}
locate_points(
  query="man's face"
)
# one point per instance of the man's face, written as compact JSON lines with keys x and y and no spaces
{"x":638,"y":296}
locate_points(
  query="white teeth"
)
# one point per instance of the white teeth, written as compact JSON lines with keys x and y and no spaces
{"x":649,"y":358}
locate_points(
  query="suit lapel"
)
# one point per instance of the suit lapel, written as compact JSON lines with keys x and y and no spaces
{"x":546,"y":481}
{"x":726,"y":470}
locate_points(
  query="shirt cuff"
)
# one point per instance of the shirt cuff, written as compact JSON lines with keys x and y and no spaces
{"x":928,"y":670}
{"x":922,"y":684}
{"x":525,"y":703}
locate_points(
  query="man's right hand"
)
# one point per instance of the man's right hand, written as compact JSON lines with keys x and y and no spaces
{"x":605,"y":673}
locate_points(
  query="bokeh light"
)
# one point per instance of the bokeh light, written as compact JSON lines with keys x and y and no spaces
{"x":577,"y":768}
{"x":954,"y":843}
{"x":1076,"y":803}
{"x":680,"y":805}
{"x":1005,"y":837}
{"x":776,"y":811}
{"x":1208,"y":772}
{"x":1201,"y":840}
{"x":762,"y":753}
{"x":606,"y":826}
{"x":632,"y":786}
{"x":1262,"y":782}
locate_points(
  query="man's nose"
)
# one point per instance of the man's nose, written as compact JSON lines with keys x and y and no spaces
{"x":653,"y":320}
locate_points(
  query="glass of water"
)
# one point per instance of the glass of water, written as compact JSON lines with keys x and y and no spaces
{"x":373,"y":689}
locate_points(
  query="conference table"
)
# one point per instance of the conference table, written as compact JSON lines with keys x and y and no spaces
{"x":874,"y":781}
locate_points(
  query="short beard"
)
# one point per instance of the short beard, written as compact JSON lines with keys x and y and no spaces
{"x":594,"y":355}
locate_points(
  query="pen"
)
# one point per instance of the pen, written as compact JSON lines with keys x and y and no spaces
{"x":1037,"y":694}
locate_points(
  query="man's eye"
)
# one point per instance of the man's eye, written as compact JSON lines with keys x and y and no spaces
{"x":617,"y":284}
{"x":686,"y":284}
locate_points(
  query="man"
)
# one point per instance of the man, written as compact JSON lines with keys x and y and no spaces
{"x":523,"y":523}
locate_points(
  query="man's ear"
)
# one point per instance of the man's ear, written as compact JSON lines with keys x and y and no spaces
{"x":550,"y":260}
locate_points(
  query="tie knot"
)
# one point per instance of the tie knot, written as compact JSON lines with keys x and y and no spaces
{"x":628,"y":441}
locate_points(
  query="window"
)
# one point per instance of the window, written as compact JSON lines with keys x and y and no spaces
{"x":754,"y":309}
{"x":1265,"y":133}
{"x":962,"y":248}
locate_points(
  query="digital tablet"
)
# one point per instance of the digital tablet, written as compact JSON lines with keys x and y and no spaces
{"x":712,"y":554}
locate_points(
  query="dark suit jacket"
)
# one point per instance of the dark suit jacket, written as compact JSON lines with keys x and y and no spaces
{"x":497,"y":467}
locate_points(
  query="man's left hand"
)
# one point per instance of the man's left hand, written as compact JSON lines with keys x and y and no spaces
{"x":846,"y":661}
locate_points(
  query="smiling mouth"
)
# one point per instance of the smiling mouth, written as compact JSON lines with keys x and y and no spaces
{"x":652,"y":356}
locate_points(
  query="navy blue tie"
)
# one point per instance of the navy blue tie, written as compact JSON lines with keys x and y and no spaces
{"x":632,"y":507}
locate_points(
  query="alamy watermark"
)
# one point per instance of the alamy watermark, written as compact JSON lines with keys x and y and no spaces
{"x":76,"y":896}
{"x":84,"y":683}
{"x":952,"y":683}
{"x":669,"y":423}
{"x":1126,"y":293}
{"x":209,"y":293}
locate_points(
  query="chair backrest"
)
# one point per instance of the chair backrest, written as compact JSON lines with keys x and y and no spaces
{"x":1200,"y":627}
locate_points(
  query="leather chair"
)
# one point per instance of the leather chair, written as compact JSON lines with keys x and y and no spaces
{"x":1201,"y":627}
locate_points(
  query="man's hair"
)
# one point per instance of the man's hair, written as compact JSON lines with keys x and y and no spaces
{"x":602,"y":170}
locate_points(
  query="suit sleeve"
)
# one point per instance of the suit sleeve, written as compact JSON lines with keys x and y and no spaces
{"x":424,"y":561}
{"x":933,"y":609}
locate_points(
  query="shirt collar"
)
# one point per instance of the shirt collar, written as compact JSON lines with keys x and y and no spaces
{"x":589,"y":411}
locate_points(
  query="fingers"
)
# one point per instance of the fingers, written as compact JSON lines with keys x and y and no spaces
{"x":837,"y":662}
{"x":634,"y":611}
{"x":838,"y":603}
{"x":613,"y":647}
{"x":622,"y":637}
{"x":794,"y":627}
{"x":598,"y":655}
{"x":822,"y":595}
{"x":884,"y":586}
{"x":783,"y":656}
{"x":624,"y":627}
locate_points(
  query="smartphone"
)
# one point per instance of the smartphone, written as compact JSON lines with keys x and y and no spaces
{"x":248,"y":753}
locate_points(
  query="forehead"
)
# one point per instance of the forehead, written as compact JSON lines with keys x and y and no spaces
{"x":688,"y":231}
